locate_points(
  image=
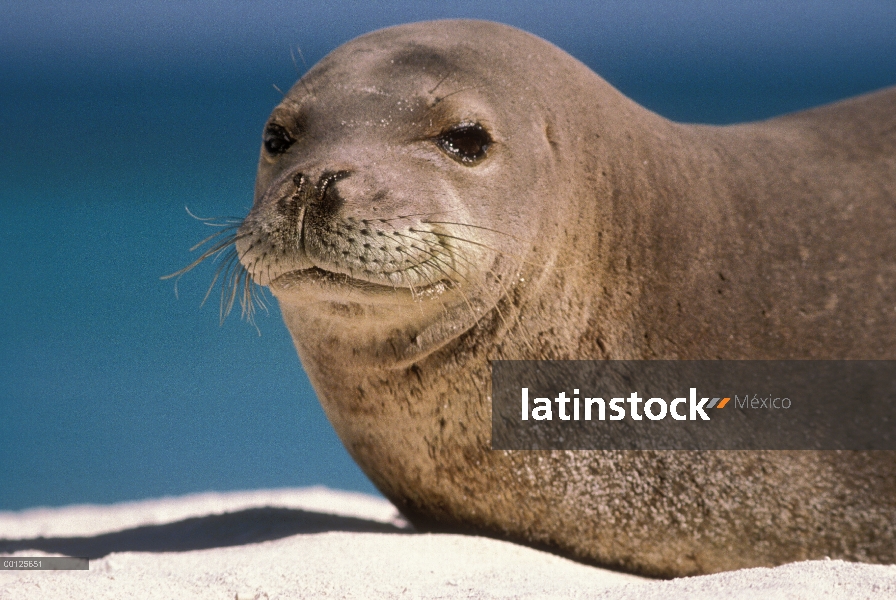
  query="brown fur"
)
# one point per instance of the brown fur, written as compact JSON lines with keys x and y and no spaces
{"x":601,"y":230}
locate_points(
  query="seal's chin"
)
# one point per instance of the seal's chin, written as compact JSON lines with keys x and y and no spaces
{"x":338,"y":287}
{"x":390,"y":326}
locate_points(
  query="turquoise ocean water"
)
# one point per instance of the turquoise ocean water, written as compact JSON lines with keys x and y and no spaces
{"x":113,"y":118}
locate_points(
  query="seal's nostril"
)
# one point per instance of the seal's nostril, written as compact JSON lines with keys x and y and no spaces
{"x":299,"y":180}
{"x":328,"y":197}
{"x":328,"y":178}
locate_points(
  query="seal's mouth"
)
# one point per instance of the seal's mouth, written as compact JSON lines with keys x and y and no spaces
{"x":340,"y":283}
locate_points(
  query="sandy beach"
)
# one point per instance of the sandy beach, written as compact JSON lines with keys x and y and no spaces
{"x":315,"y":542}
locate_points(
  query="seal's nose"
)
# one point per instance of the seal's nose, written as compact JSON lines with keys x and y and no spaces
{"x":322,"y":196}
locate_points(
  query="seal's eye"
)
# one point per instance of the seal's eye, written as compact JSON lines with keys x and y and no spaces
{"x":467,"y":142}
{"x":276,"y":139}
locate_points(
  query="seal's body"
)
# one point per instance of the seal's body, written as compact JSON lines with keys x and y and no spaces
{"x":434,"y":196}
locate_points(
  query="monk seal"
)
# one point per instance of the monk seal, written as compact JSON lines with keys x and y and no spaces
{"x":434,"y":196}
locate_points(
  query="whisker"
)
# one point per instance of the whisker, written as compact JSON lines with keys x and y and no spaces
{"x":208,"y":220}
{"x":205,"y":241}
{"x":433,"y":262}
{"x":472,"y":87}
{"x":234,"y":277}
{"x":441,"y":81}
{"x":501,"y":252}
{"x":207,"y":254}
{"x":514,"y":238}
{"x":506,"y":320}
{"x":432,"y":254}
{"x":468,"y":241}
{"x":231,"y":279}
{"x":408,"y":216}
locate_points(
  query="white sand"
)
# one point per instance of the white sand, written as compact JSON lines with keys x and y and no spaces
{"x":91,"y":519}
{"x":325,"y":543}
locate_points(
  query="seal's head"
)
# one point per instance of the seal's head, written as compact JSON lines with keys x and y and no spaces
{"x":401,"y":182}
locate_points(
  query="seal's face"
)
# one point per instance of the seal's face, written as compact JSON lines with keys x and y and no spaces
{"x":382,"y":176}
